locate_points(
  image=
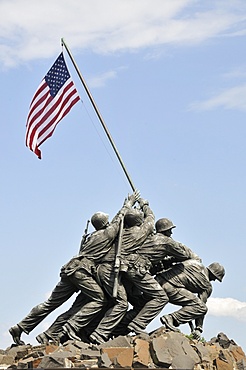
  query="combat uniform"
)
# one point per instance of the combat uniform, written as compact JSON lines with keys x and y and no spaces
{"x":132,"y":239}
{"x":77,"y":275}
{"x":150,"y":298}
{"x":187,"y":284}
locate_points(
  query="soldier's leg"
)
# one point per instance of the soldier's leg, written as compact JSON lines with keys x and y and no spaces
{"x":155,"y":297}
{"x":61,"y":293}
{"x":192,"y":306}
{"x":95,"y":303}
{"x":133,"y":293}
{"x":54,"y":331}
{"x":137,"y":300}
{"x":89,"y":329}
{"x":115,"y":313}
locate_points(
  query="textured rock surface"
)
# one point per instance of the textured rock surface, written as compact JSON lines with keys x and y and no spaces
{"x":160,"y":349}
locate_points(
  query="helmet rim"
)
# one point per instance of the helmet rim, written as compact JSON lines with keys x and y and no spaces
{"x":217,"y":270}
{"x":99,"y":220}
{"x":164,"y":224}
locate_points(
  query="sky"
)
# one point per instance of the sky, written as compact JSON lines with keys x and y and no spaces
{"x":169,"y":79}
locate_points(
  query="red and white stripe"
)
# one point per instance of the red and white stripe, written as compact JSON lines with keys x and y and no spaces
{"x":47,"y":111}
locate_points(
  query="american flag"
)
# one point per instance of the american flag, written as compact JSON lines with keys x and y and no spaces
{"x":53,"y":99}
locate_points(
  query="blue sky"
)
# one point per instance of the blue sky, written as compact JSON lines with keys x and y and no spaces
{"x":169,"y":79}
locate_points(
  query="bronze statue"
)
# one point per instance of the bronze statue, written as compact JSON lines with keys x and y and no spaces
{"x":78,"y":274}
{"x":139,"y":263}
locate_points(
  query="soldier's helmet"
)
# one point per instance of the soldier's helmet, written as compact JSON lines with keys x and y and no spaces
{"x":99,"y":220}
{"x":217,"y":270}
{"x":133,"y":217}
{"x":163,"y":224}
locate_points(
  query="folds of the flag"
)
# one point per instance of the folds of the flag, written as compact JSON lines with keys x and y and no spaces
{"x":54,"y":98}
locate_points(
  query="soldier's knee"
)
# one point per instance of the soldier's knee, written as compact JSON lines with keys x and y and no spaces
{"x":100,"y":296}
{"x":38,"y":308}
{"x":205,"y":308}
{"x":202,"y":308}
{"x":162,"y":296}
{"x":122,"y":304}
{"x":163,"y":299}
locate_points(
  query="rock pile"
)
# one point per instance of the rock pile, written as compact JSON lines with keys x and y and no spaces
{"x":159,"y":349}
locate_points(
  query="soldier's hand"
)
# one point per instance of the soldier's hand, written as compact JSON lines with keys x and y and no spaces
{"x":134,"y":197}
{"x":143,"y":202}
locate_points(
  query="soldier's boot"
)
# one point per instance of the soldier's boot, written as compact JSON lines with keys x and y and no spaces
{"x":119,"y":331}
{"x":42,"y":338}
{"x":69,"y":331}
{"x":167,"y":320}
{"x":95,"y":338}
{"x":62,"y":338}
{"x":16,"y":331}
{"x":132,"y":327}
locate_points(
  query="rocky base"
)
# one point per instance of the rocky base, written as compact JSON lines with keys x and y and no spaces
{"x":159,"y":349}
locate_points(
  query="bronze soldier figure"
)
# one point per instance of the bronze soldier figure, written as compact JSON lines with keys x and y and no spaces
{"x":158,"y":249}
{"x":106,"y":277}
{"x":188,"y":284}
{"x":77,"y":275}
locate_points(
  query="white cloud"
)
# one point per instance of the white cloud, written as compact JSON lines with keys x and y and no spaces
{"x":33,"y":29}
{"x":237,"y":73}
{"x":99,"y":81}
{"x":231,"y":98}
{"x":227,"y":307}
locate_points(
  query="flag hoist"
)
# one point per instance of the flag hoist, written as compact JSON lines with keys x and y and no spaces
{"x":98,"y":115}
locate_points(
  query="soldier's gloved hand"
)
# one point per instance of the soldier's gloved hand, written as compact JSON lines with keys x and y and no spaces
{"x":143,"y":202}
{"x":133,"y":198}
{"x":197,"y":333}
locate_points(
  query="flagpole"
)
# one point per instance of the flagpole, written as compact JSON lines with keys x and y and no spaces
{"x":99,"y":115}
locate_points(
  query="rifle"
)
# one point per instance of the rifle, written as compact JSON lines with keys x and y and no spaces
{"x":84,"y":236}
{"x":117,"y":259}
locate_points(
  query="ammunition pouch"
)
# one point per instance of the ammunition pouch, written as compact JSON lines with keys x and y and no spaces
{"x":139,"y":264}
{"x":77,"y":263}
{"x":124,"y":265}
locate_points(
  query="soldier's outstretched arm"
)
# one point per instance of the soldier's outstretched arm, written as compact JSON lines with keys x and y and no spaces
{"x":148,"y":213}
{"x":133,"y":198}
{"x":128,"y":203}
{"x":197,"y":332}
{"x":179,"y":251}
